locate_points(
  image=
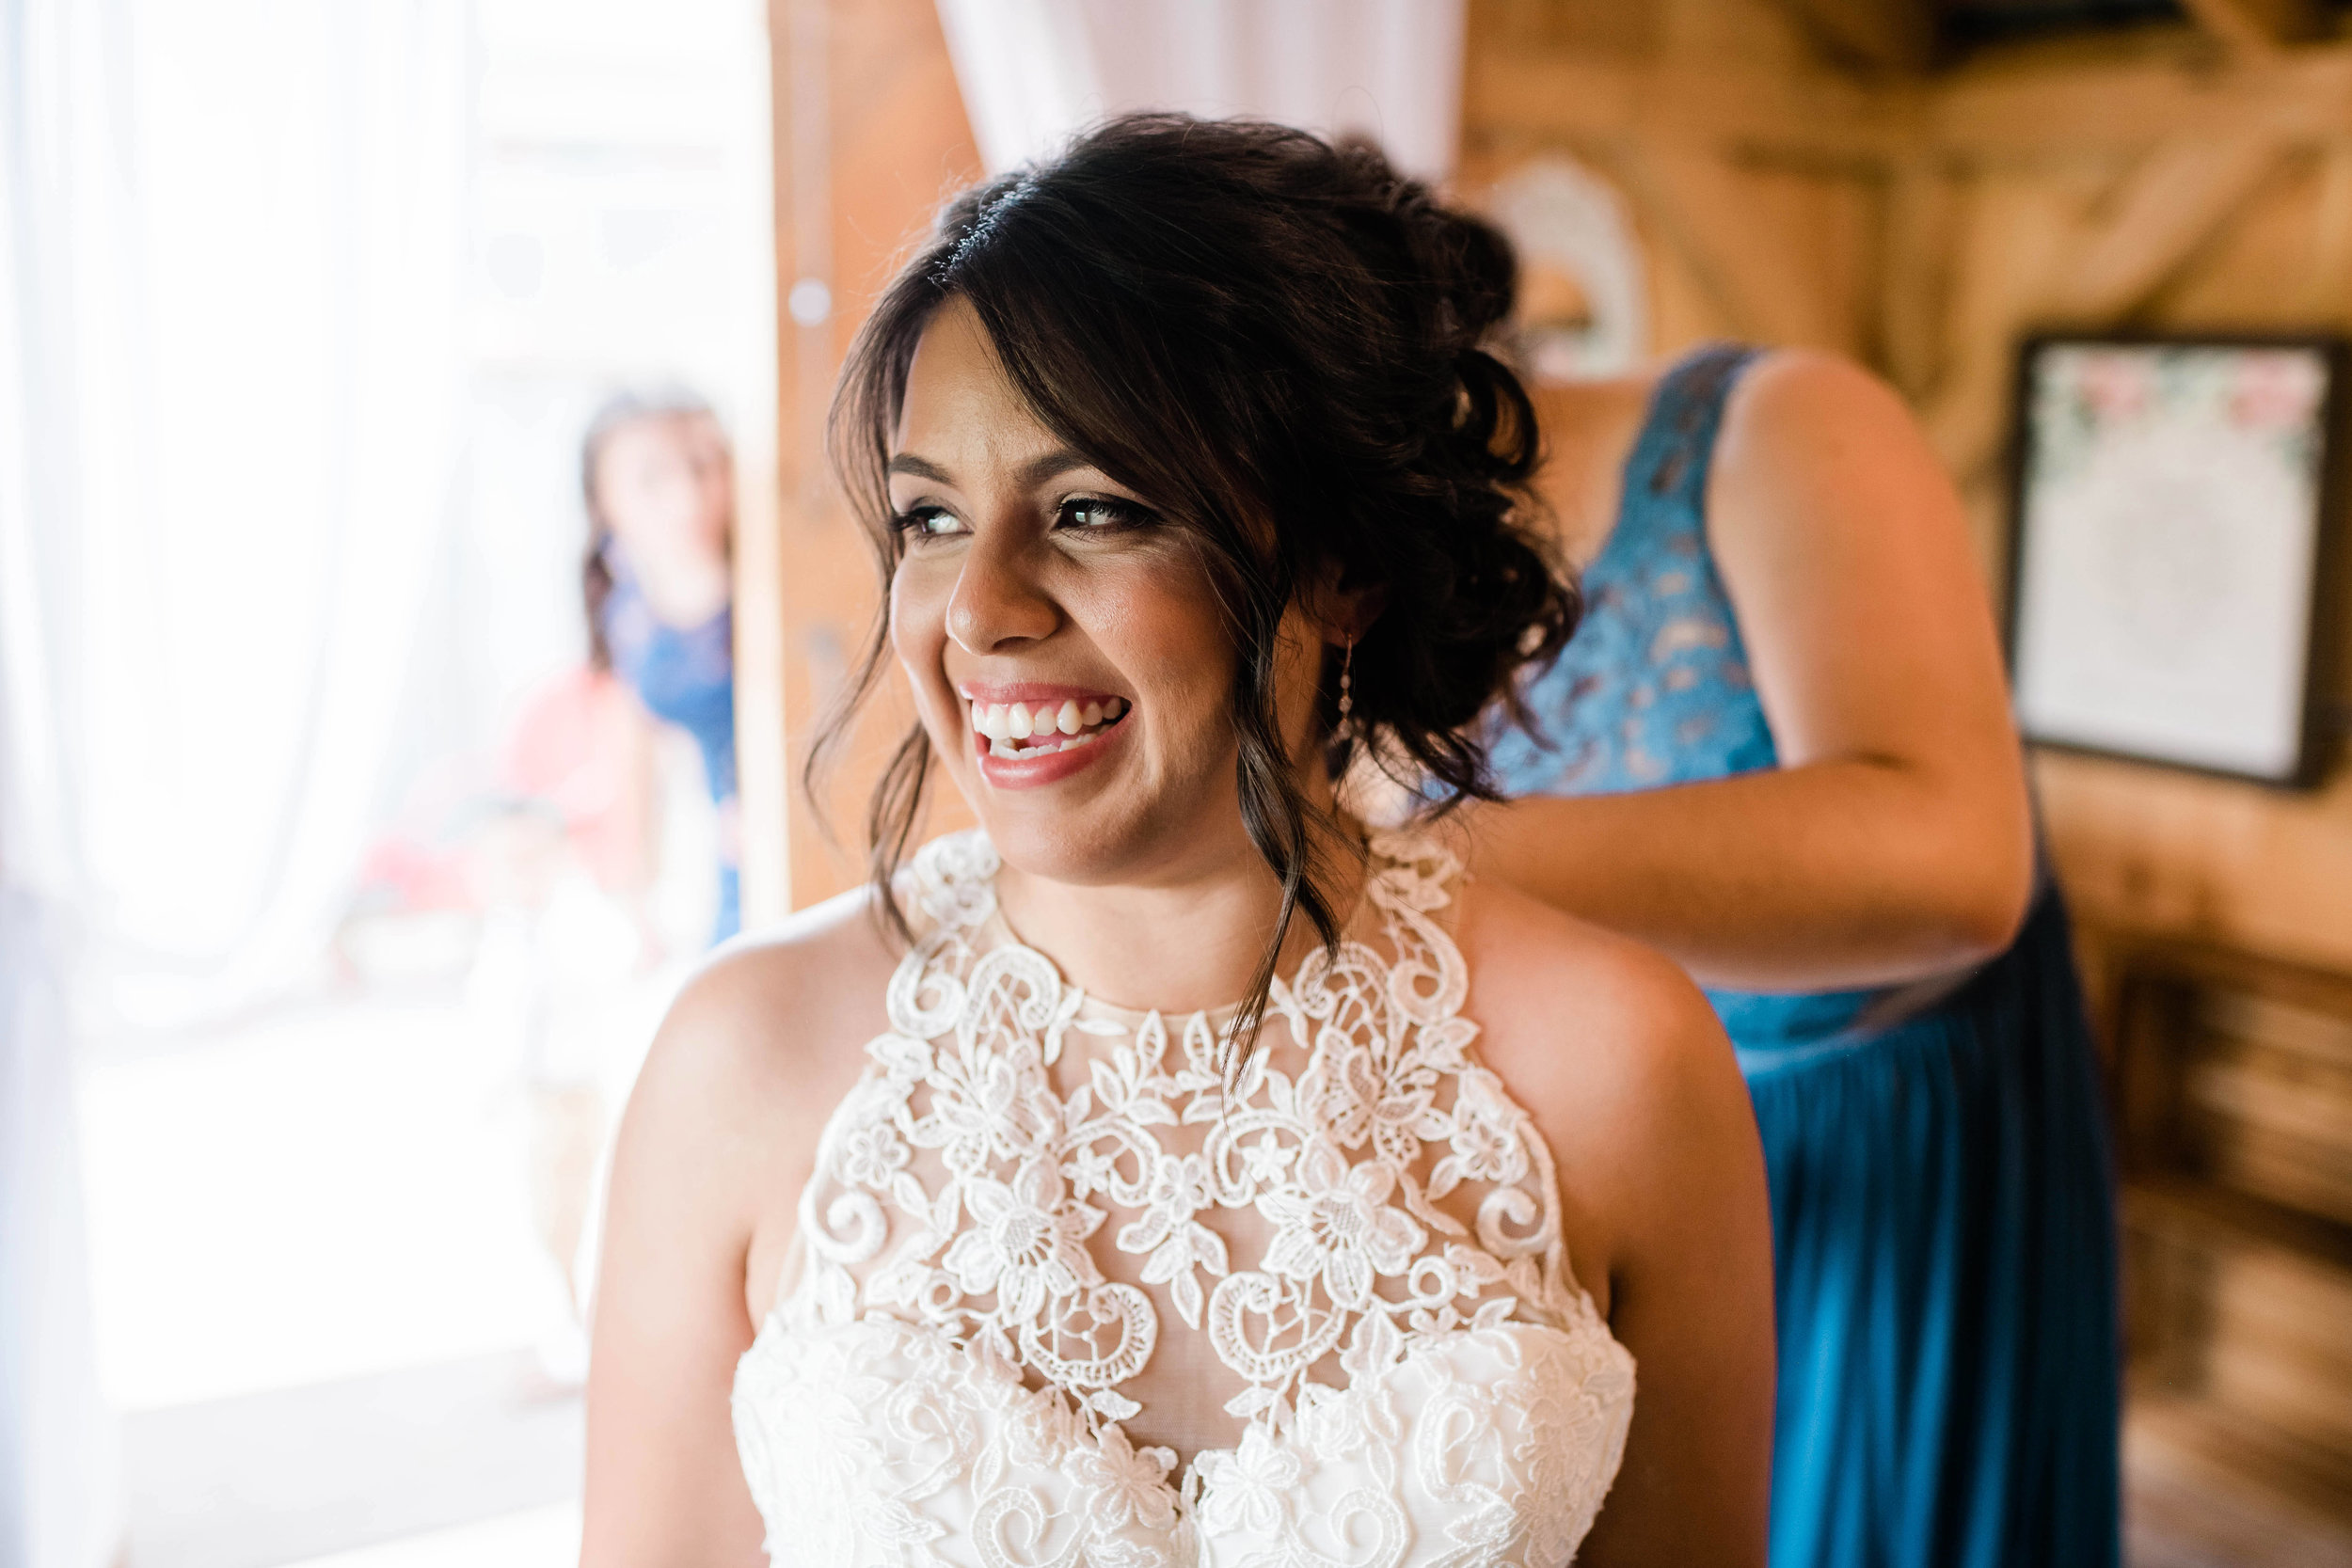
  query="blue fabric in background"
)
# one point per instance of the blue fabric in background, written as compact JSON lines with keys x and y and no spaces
{"x":686,"y":678}
{"x":1943,"y":1201}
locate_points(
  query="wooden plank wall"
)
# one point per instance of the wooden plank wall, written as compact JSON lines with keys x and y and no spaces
{"x":1793,"y":188}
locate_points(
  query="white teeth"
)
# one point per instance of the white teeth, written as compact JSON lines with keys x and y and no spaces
{"x":1003,"y":723}
{"x":1081,"y":740}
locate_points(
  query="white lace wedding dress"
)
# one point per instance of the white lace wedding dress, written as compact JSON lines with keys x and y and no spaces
{"x":1043,"y":1234}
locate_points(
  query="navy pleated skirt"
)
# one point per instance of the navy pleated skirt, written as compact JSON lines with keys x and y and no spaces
{"x":1944,"y":1220}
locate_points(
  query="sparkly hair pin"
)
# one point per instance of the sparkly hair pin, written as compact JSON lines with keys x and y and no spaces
{"x":985,"y":225}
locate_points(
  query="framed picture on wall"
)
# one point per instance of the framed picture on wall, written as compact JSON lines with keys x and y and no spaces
{"x":2172,"y":500}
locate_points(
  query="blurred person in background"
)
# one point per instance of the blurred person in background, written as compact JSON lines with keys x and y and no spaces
{"x":1779,"y":748}
{"x":565,"y":864}
{"x":658,"y":480}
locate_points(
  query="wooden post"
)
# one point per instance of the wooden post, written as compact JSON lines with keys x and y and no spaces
{"x":870,"y":135}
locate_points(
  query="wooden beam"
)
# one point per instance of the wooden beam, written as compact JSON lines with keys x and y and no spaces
{"x":1878,"y":36}
{"x":1756,"y":271}
{"x":2093,"y":268}
{"x":1998,"y":110}
{"x":2008,"y":113}
{"x":2172,"y":204}
{"x":2014,"y":240}
{"x":1920,"y":226}
{"x":1577,"y":98}
{"x":2258,"y":25}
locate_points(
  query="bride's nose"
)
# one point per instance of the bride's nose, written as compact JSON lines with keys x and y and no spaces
{"x":998,"y":601}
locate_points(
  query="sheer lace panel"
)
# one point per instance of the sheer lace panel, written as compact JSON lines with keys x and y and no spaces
{"x":1045,"y":1229}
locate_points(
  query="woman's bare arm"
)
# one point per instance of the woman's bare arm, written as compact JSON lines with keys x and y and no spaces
{"x":720,"y":1136}
{"x":1630,"y":1079}
{"x":1895,"y":839}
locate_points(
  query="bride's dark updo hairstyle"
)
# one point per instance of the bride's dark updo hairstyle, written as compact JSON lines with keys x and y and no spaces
{"x":1277,"y":344}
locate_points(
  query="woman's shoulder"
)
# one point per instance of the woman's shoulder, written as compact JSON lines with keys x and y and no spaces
{"x":758,"y":1048}
{"x":797,"y":996}
{"x":774,"y":1015}
{"x":1573,"y":998}
{"x":1607,"y":1044}
{"x":824,"y":958}
{"x":1797,"y":411}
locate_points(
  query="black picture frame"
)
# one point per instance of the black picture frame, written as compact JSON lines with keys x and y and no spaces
{"x":2301,"y":761}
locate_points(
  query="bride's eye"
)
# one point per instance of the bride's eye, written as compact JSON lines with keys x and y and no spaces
{"x":1102,"y":514}
{"x":926,"y":522}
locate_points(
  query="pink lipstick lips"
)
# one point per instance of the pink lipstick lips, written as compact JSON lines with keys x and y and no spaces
{"x":1030,"y":733}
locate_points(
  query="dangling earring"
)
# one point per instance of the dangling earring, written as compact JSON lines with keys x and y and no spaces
{"x":1347,"y":682}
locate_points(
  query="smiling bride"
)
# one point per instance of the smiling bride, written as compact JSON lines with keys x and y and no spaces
{"x":1175,"y":1171}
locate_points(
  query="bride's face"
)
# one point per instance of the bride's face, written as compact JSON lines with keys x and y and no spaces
{"x":1064,"y":642}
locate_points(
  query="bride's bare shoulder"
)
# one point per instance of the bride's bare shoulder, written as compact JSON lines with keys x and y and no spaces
{"x":773,"y":1025}
{"x":1606,"y":1042}
{"x":1545,"y":983}
{"x":726,"y":1118}
{"x":790,"y":986}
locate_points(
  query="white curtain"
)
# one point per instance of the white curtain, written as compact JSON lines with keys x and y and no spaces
{"x":231,"y":249}
{"x":60,"y":1494}
{"x":1033,"y":70}
{"x":227,"y":451}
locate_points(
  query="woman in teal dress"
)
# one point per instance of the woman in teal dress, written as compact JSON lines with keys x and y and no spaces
{"x":1778,"y":746}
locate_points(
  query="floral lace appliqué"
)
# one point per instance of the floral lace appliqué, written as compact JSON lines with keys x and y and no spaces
{"x":1363,"y":1227}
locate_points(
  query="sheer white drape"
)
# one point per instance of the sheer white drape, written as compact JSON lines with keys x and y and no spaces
{"x":236,"y":235}
{"x":60,"y":1499}
{"x":231,"y":244}
{"x":1033,"y":70}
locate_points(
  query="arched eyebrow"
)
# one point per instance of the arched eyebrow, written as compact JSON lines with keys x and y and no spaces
{"x":907,"y":463}
{"x":1036,"y":471}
